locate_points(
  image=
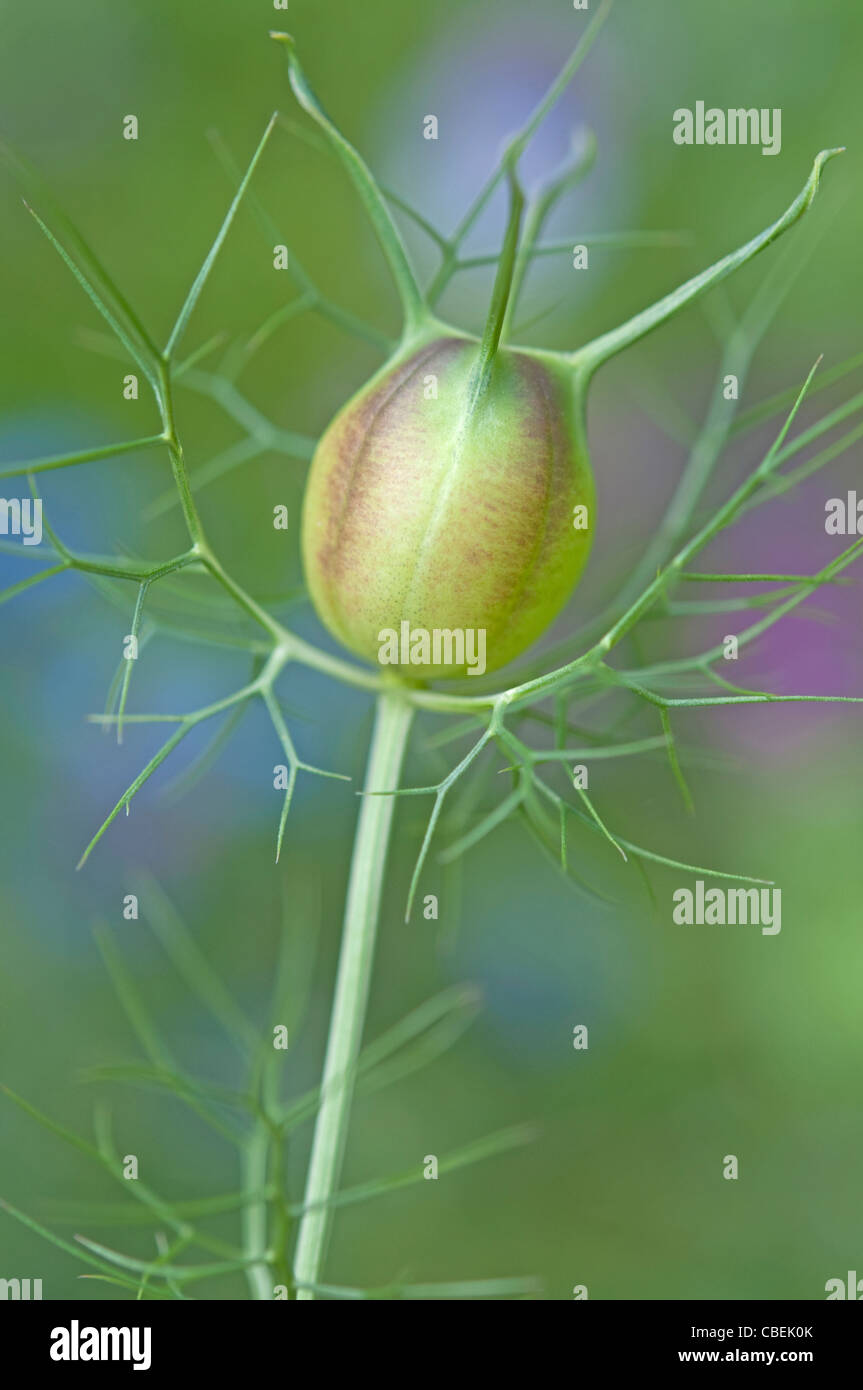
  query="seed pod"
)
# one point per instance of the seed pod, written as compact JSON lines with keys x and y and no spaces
{"x":453,"y":494}
{"x":447,"y":509}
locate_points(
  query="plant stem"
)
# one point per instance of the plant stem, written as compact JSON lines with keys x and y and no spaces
{"x":516,"y":147}
{"x":502,"y":286}
{"x":413,"y":304}
{"x":587,"y":359}
{"x":254,"y":1218}
{"x":392,"y":723}
{"x":574,"y":169}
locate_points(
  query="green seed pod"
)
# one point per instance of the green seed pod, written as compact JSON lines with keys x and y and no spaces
{"x":450,"y":505}
{"x":451,"y":512}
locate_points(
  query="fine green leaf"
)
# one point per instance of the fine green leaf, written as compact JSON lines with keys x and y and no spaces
{"x":201,"y":278}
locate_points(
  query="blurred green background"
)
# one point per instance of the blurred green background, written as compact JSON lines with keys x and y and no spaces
{"x":703,"y":1041}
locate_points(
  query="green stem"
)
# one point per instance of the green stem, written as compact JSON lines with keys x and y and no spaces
{"x":103,"y":451}
{"x":179,"y":470}
{"x":254,"y":1217}
{"x":392,"y":723}
{"x":706,"y":449}
{"x":245,"y":601}
{"x":201,"y":278}
{"x":501,"y":290}
{"x":414,"y":307}
{"x":587,"y":359}
{"x":517,"y":145}
{"x":538,"y":210}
